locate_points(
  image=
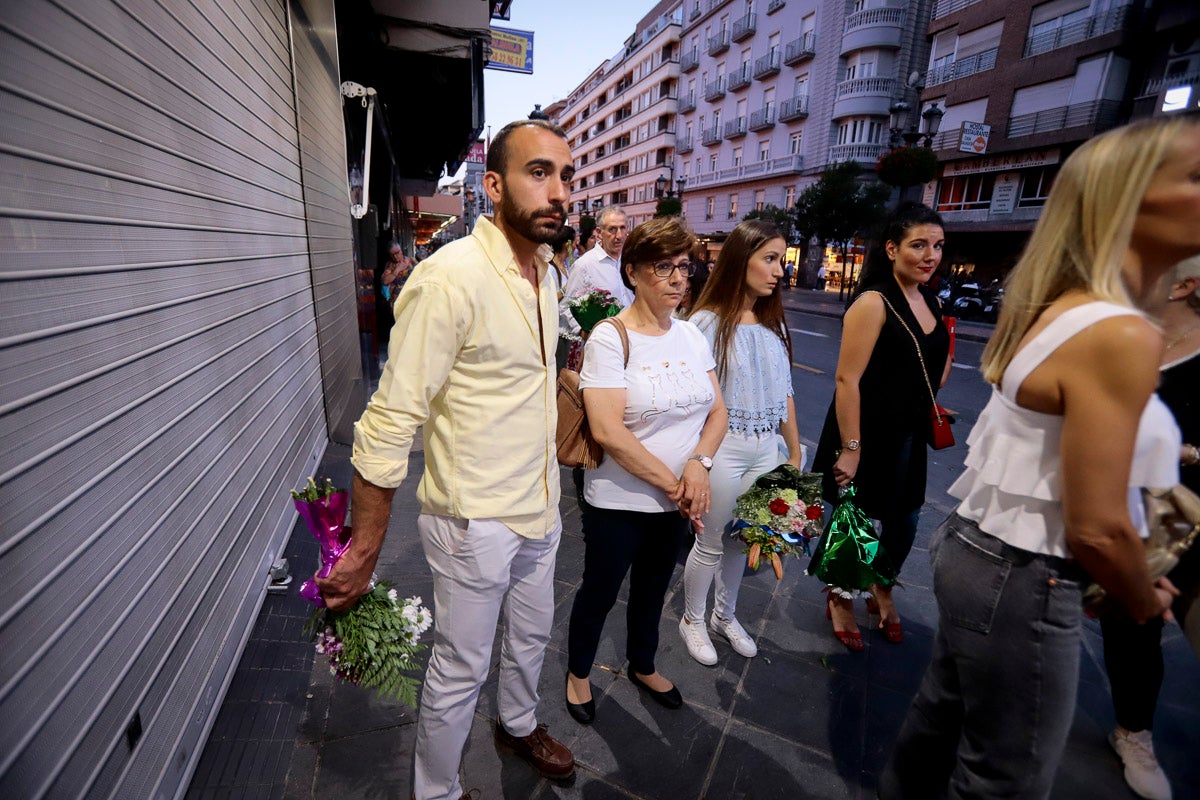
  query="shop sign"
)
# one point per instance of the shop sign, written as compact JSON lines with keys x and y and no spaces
{"x":929,"y":194}
{"x":477,"y":154}
{"x":1004,"y":193}
{"x":974,"y":137}
{"x":512,"y":51}
{"x":1002,"y":163}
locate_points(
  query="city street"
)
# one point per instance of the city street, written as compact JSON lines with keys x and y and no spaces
{"x":804,"y":719}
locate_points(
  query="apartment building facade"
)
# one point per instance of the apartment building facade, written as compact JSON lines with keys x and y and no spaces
{"x":774,"y":91}
{"x":620,"y":121}
{"x":1023,"y":83}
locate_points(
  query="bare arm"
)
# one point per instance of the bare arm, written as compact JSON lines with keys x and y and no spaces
{"x":860,"y":331}
{"x":791,"y":434}
{"x":605,"y":410}
{"x":350,"y":577}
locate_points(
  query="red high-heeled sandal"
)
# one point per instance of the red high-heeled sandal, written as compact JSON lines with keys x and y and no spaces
{"x":851,"y":640}
{"x":892,"y":631}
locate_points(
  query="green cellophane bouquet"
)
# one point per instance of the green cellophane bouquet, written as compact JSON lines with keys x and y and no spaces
{"x":849,"y":556}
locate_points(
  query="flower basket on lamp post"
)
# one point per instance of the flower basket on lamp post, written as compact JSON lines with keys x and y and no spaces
{"x":907,"y":166}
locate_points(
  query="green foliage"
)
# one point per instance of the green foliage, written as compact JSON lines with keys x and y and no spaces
{"x":780,"y":217}
{"x":312,"y":491}
{"x":907,"y":166}
{"x":839,"y":206}
{"x":668,"y":207}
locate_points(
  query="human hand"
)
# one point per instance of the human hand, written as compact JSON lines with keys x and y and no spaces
{"x":349,"y":579}
{"x":695,"y":500}
{"x":1165,"y":592}
{"x":846,"y":467}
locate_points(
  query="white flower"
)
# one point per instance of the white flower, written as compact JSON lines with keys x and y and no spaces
{"x":392,"y":595}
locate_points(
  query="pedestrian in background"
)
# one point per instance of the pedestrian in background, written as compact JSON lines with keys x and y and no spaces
{"x":1051,"y":489}
{"x":741,"y":316}
{"x":489,"y":520}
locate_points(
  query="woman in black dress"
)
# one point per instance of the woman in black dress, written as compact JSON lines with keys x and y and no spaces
{"x":877,"y":429}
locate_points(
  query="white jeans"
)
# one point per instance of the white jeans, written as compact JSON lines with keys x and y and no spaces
{"x":476,"y":564}
{"x":715,"y":555}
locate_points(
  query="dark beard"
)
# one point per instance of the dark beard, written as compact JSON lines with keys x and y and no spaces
{"x":525,"y":224}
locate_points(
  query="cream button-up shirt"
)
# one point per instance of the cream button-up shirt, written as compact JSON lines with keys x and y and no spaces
{"x":467,"y":362}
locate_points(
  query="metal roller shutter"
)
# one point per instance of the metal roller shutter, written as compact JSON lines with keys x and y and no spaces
{"x":163,"y":346}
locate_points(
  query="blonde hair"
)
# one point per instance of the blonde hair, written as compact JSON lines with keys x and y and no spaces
{"x":1082,"y":237}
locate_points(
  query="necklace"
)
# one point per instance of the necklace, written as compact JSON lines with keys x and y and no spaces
{"x":1182,"y":336}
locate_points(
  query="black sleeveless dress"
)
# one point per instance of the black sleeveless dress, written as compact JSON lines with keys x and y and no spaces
{"x":894,"y":416}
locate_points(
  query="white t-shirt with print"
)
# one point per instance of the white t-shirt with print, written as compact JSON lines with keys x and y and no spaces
{"x":668,"y":394}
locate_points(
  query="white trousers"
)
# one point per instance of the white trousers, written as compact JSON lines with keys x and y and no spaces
{"x":716,"y":556}
{"x":476,"y":564}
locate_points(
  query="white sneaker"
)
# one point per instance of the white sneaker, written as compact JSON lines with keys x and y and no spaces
{"x":733,"y":631}
{"x":699,"y":646}
{"x":1142,"y":772}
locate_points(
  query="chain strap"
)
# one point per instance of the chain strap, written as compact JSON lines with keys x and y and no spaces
{"x":937,"y":410}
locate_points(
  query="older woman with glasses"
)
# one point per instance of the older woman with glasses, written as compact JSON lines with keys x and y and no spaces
{"x":656,"y":408}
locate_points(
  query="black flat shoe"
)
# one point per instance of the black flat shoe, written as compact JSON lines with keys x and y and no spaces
{"x":671,"y":698}
{"x":583,"y":713}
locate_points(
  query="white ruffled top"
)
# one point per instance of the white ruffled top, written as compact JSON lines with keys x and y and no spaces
{"x":758,"y":379}
{"x":1012,"y":486}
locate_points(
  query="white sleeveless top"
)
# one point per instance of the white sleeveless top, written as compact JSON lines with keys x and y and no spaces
{"x":1012,"y":487}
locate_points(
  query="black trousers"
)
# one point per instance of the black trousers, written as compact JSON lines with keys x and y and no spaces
{"x":645,"y":546}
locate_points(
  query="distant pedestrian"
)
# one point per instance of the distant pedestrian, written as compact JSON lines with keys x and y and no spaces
{"x":789,"y":270}
{"x":821,"y":277}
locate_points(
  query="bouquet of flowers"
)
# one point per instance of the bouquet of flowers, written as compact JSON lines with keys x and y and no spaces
{"x":588,"y":308}
{"x":375,"y":643}
{"x":850,"y":556}
{"x":781,"y":510}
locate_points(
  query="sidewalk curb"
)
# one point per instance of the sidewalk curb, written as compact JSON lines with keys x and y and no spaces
{"x":976,"y":333}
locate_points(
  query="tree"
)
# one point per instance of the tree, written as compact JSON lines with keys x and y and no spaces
{"x":669,"y":207}
{"x":779,"y":217}
{"x":839,"y":207}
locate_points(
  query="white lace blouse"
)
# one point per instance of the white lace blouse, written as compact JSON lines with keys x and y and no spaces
{"x":758,"y":379}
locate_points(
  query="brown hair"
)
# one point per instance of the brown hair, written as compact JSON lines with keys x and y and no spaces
{"x":726,"y":289}
{"x":657,"y":238}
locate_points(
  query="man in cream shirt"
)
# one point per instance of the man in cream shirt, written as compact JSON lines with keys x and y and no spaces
{"x":472,"y":359}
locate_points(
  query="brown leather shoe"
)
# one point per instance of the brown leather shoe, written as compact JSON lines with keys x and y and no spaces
{"x":547,"y":755}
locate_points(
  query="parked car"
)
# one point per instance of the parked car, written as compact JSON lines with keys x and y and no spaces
{"x":973,"y":303}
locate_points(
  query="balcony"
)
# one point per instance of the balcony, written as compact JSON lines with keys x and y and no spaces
{"x":735,"y":128}
{"x":962,"y":67}
{"x":799,"y":49}
{"x":683,"y":144}
{"x":786,"y":165}
{"x":863,"y":153}
{"x":719,"y":43}
{"x":875,"y":27}
{"x":774,"y":6}
{"x":944,"y":7}
{"x":740,"y":78}
{"x":1096,"y":25}
{"x":687,"y":103}
{"x":762,"y":119}
{"x":767,"y":65}
{"x":689,"y":61}
{"x":1096,"y":114}
{"x":793,"y":108}
{"x":710,"y":136}
{"x":745,"y":27}
{"x":714,"y":90}
{"x":864,"y":96}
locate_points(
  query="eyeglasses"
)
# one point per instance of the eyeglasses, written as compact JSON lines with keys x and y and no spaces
{"x":663,"y":269}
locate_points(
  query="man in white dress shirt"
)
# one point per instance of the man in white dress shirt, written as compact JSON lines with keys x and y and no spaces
{"x":600,"y":267}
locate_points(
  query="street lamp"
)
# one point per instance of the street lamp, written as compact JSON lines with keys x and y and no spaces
{"x":902,"y":130}
{"x":597,"y":204}
{"x":933,"y":121}
{"x":660,"y":185}
{"x":679,"y":182}
{"x":669,"y":187}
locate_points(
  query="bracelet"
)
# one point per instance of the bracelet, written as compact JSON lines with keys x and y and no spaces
{"x":1194,"y":458}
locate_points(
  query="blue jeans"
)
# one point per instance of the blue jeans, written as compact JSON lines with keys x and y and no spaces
{"x":994,"y":709}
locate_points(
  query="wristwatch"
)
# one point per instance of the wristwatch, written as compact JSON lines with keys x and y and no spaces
{"x":853,"y":444}
{"x":705,"y":461}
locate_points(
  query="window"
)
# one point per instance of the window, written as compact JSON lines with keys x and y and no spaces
{"x":712,"y":162}
{"x":764,"y":149}
{"x":733,"y":206}
{"x":737,"y":156}
{"x":964,"y":192}
{"x":710,"y":204}
{"x":1035,"y":187}
{"x":760,"y":199}
{"x":796,"y":138}
{"x":789,"y":196}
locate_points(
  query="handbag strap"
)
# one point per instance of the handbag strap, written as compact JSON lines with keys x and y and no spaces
{"x":624,"y":334}
{"x":937,"y":412}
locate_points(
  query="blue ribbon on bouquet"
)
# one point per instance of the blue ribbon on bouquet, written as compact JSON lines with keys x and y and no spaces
{"x":790,"y":538}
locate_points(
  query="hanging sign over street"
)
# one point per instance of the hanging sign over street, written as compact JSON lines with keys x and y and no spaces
{"x":974,"y":137}
{"x":512,"y":51}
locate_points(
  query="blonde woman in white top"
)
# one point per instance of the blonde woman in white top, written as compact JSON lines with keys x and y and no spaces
{"x":1071,"y":431}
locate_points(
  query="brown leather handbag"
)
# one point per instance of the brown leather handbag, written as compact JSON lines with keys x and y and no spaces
{"x":575,"y":445}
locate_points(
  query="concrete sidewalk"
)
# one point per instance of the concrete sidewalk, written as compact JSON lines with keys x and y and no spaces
{"x":804,"y":719}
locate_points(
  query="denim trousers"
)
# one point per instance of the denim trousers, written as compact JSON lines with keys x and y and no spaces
{"x":642,"y":544}
{"x":994,"y":709}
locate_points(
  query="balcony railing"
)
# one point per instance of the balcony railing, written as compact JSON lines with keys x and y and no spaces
{"x":861,"y":86}
{"x":866,"y":153}
{"x":962,"y":67}
{"x":1096,"y":25}
{"x":745,"y":27}
{"x":762,"y":119}
{"x":687,"y":103}
{"x":719,"y":43}
{"x":710,"y":135}
{"x":1098,"y":114}
{"x":767,"y":65}
{"x":774,"y":6}
{"x":740,"y":78}
{"x":800,"y":49}
{"x":784,"y":165}
{"x":944,"y":7}
{"x":689,"y":61}
{"x":888,"y":15}
{"x":793,"y":108}
{"x":735,"y":128}
{"x":714,"y":90}
{"x":683,"y":144}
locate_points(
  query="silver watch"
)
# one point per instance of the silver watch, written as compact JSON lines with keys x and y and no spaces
{"x":705,"y":461}
{"x":853,"y":444}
